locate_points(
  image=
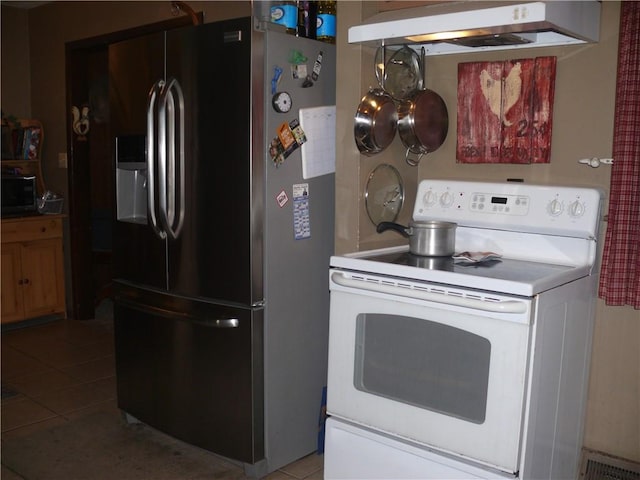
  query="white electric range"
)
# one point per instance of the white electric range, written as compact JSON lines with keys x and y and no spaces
{"x":479,"y":367}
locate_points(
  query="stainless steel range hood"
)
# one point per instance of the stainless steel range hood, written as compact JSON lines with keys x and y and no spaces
{"x":475,"y":26}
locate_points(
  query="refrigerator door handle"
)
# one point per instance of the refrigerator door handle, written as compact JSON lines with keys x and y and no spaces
{"x":177,"y":188}
{"x":173,"y":200}
{"x":151,"y":157}
{"x":219,"y":323}
{"x":226,"y":322}
{"x":161,"y":143}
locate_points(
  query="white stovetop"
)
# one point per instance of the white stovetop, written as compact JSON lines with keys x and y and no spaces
{"x":546,"y":236}
{"x":506,"y":275}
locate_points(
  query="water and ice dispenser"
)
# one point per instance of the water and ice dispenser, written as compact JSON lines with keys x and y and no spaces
{"x":131,"y":179}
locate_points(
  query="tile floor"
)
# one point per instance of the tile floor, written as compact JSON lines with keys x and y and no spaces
{"x":61,"y":371}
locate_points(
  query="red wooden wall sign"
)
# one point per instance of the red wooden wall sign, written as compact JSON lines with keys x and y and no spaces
{"x":505,"y":111}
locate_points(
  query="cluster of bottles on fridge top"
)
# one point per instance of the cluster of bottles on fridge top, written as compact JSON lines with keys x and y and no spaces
{"x":307,"y":18}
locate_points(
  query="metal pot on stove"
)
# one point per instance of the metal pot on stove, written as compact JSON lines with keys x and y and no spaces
{"x":432,"y":238}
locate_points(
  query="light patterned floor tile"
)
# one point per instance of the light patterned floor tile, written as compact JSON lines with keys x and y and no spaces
{"x":23,"y":411}
{"x":33,"y":428}
{"x":42,"y":382}
{"x":305,"y":466}
{"x":93,"y":370}
{"x":73,"y":398}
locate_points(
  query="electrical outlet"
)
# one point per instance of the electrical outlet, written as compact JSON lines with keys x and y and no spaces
{"x":62,"y":160}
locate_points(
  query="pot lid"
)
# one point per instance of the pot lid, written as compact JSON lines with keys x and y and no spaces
{"x":384,"y":194}
{"x":398,"y":71}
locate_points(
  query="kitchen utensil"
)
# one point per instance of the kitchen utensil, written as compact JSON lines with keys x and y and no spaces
{"x":375,"y":122}
{"x":423,"y":121}
{"x":432,"y":238}
{"x":384,"y":194}
{"x":400,"y":75}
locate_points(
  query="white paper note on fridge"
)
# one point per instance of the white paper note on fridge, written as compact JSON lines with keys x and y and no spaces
{"x":319,"y":151}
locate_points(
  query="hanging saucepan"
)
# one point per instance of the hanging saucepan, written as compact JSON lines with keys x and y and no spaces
{"x":376,"y":120}
{"x":423,"y":122}
{"x":432,"y":238}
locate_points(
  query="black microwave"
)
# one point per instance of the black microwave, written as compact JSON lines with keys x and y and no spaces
{"x":19,"y":194}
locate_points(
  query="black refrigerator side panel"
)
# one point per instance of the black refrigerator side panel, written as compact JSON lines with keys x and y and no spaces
{"x":192,"y":370}
{"x":139,"y":256}
{"x":213,"y":256}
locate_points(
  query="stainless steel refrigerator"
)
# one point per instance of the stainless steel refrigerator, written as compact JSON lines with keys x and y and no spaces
{"x":221,"y":297}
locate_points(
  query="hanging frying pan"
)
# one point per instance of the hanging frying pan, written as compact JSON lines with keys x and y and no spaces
{"x":423,"y":121}
{"x":376,"y":121}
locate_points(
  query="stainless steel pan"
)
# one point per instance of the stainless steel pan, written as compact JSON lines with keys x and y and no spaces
{"x":376,"y":122}
{"x":423,"y":121}
{"x":432,"y":238}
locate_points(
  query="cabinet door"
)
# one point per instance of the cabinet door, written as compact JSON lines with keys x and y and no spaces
{"x":43,"y":282}
{"x":11,"y":286}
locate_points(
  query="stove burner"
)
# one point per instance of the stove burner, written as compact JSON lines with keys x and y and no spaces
{"x":444,"y":264}
{"x":430,"y":263}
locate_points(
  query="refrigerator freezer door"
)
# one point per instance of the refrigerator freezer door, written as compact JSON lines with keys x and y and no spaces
{"x":192,"y":370}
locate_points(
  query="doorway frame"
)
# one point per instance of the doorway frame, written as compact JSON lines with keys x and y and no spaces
{"x":84,"y":297}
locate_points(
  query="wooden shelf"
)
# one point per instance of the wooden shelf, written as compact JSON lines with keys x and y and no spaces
{"x":32,"y":166}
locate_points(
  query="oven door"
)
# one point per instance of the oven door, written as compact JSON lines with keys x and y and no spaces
{"x":444,"y":367}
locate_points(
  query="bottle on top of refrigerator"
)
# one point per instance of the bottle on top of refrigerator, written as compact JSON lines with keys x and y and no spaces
{"x":285,"y":13}
{"x":307,"y":10}
{"x":326,"y":21}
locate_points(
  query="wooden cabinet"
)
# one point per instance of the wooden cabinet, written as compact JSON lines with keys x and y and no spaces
{"x":32,"y":268}
{"x":22,"y":142}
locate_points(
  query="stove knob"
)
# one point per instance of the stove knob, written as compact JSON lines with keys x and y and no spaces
{"x":446,"y":199}
{"x":555,"y":207}
{"x":576,"y":209}
{"x":429,"y":198}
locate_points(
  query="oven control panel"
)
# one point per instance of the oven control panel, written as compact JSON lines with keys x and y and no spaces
{"x":503,"y":203}
{"x":560,"y":210}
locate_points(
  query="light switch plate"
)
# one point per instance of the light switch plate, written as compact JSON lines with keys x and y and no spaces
{"x":62,"y":160}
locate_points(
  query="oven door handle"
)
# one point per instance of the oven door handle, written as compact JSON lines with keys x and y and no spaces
{"x":508,"y":306}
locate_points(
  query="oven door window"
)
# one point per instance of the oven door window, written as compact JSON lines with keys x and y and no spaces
{"x":423,"y":363}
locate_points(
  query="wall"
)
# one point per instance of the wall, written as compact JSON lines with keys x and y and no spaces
{"x":582,"y":128}
{"x":583,"y":122}
{"x":16,"y":81}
